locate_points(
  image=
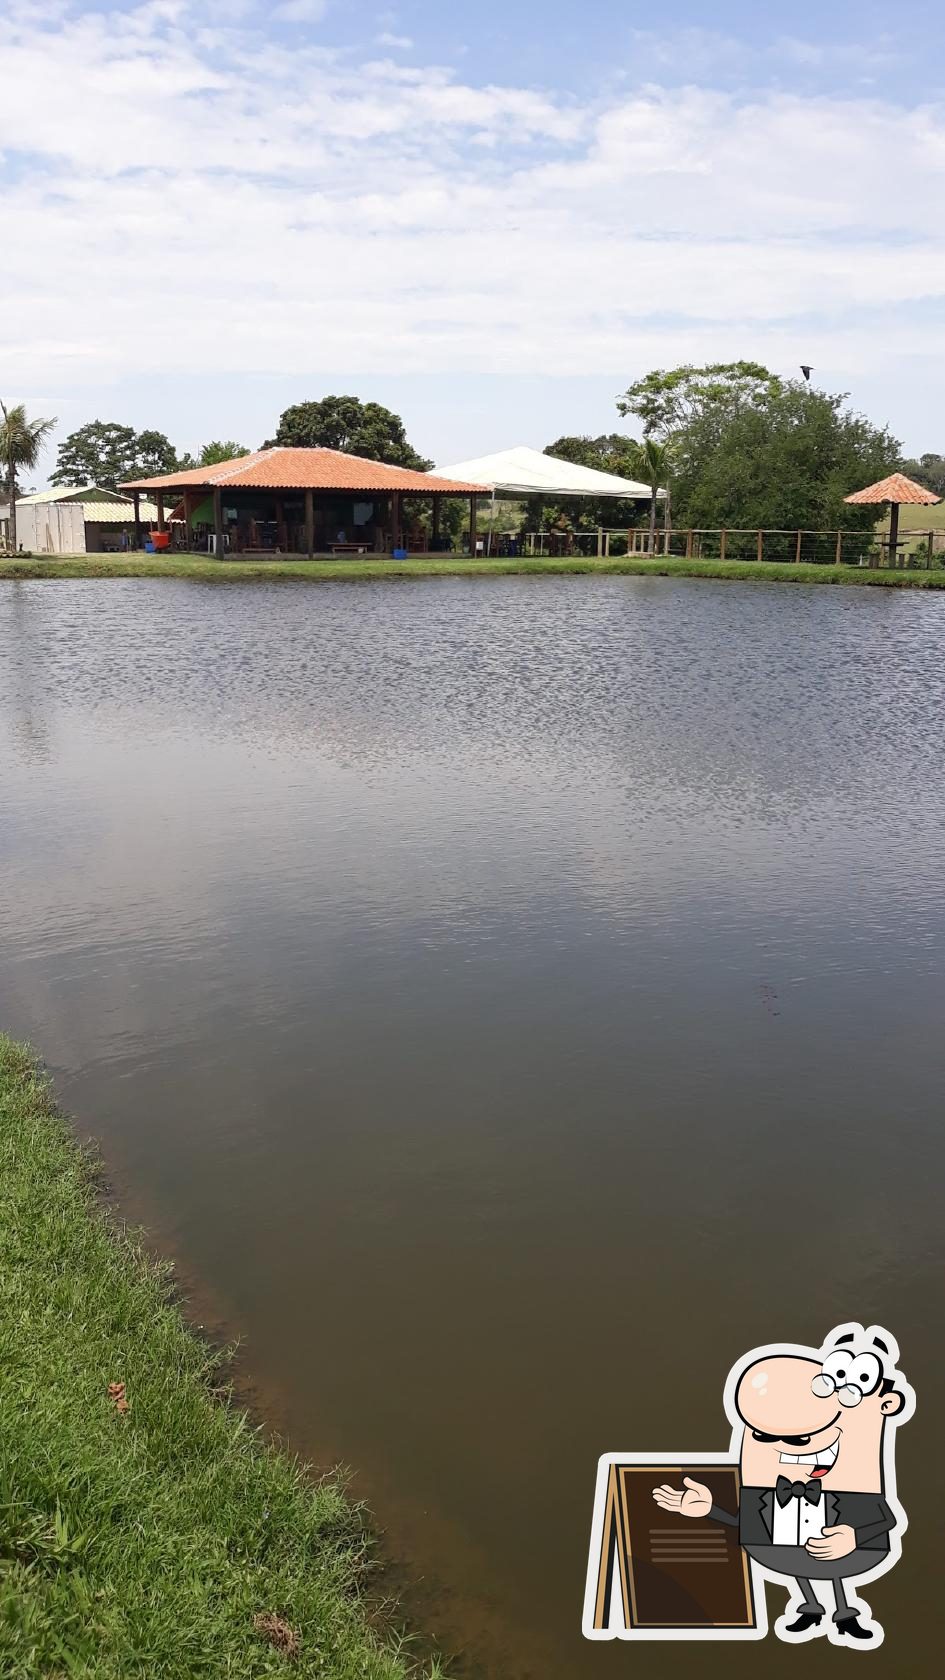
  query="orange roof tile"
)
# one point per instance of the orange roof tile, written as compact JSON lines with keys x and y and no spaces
{"x":307,"y":469}
{"x":896,"y":488}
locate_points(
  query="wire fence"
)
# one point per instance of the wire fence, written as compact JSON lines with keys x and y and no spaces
{"x":783,"y":547}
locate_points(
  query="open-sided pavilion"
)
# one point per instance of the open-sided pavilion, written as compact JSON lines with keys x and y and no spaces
{"x":299,"y":501}
{"x":896,"y":491}
{"x":522,"y":473}
{"x":513,"y":474}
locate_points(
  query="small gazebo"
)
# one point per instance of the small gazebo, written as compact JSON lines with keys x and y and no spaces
{"x":896,"y":490}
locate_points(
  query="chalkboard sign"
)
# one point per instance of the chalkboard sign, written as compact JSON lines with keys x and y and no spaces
{"x":655,"y":1572}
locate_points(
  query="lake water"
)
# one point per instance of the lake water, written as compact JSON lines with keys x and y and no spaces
{"x":510,"y":1000}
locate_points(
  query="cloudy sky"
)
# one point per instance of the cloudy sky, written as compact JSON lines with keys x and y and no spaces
{"x":490,"y":217}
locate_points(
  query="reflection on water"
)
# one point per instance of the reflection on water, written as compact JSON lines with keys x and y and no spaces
{"x":457,"y":975}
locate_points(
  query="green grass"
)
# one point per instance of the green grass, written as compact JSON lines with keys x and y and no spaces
{"x":221,"y":571}
{"x":144,"y":1543}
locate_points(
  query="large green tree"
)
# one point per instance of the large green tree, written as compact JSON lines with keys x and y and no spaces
{"x":21,"y":443}
{"x":607,"y":453}
{"x":106,"y":454}
{"x":669,"y":400}
{"x":753,"y":450}
{"x":929,"y":470}
{"x":354,"y":427}
{"x":212,"y":454}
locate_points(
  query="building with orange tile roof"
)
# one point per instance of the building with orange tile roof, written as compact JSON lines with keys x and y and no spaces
{"x":303,"y":501}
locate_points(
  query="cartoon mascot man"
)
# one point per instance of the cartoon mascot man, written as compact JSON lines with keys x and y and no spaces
{"x":815,"y":1437}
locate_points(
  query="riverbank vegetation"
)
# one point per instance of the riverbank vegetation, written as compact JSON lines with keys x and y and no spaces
{"x":203,"y":569}
{"x":146,"y":1530}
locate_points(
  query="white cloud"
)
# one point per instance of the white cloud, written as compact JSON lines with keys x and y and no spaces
{"x":397,"y":43}
{"x":195,"y":197}
{"x":300,"y":11}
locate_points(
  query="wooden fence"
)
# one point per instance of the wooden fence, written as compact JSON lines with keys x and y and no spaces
{"x":820,"y":548}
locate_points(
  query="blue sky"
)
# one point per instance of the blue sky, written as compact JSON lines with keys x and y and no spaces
{"x":491,"y":218}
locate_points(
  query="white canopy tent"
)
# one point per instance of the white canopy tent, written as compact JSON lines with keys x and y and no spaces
{"x":514,"y":473}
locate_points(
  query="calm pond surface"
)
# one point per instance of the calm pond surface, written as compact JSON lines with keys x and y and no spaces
{"x":510,"y":1000}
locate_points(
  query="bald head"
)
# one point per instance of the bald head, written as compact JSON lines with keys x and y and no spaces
{"x":792,"y":1430}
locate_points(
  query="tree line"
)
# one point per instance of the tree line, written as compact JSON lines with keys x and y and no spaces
{"x":735,"y":445}
{"x":732,"y":444}
{"x":106,"y":454}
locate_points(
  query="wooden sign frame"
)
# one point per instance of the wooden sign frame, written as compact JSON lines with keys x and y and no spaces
{"x":625,"y":1565}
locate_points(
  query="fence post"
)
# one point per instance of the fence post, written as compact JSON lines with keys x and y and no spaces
{"x":761,"y":545}
{"x":688,"y":545}
{"x":839,"y":547}
{"x":723,"y":545}
{"x":928,"y":562}
{"x":797,"y":551}
{"x":600,"y":543}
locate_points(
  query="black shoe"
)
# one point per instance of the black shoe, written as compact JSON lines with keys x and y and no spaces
{"x":851,"y":1627}
{"x":806,"y":1619}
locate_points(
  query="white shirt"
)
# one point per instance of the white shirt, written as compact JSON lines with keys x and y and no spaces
{"x":795,"y":1522}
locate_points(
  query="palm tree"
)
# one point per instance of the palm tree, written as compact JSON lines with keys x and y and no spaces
{"x":653,"y":463}
{"x":21,"y":443}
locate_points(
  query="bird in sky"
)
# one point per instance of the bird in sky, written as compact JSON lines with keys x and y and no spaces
{"x":806,"y":371}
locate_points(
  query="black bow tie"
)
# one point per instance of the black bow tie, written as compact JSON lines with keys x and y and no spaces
{"x":785,"y":1490}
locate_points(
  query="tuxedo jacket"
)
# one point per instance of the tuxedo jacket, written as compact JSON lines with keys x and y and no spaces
{"x":868,"y":1514}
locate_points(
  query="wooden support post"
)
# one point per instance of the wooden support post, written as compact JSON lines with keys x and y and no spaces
{"x":723,"y":544}
{"x":797,"y":551}
{"x":188,"y":510}
{"x":839,"y":548}
{"x":159,"y":499}
{"x":688,"y":545}
{"x":761,"y":545}
{"x":894,"y":533}
{"x":435,"y":530}
{"x":282,"y":534}
{"x":396,"y":522}
{"x":606,"y":545}
{"x":600,"y":542}
{"x":218,"y":521}
{"x":472,"y":527}
{"x":310,"y":524}
{"x":136,"y":499}
{"x":931,"y":550}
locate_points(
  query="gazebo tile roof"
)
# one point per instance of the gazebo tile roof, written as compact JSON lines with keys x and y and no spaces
{"x":896,"y":488}
{"x":282,"y":468}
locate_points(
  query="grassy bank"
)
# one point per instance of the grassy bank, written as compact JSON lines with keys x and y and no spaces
{"x":220,"y":571}
{"x":166,"y":1539}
